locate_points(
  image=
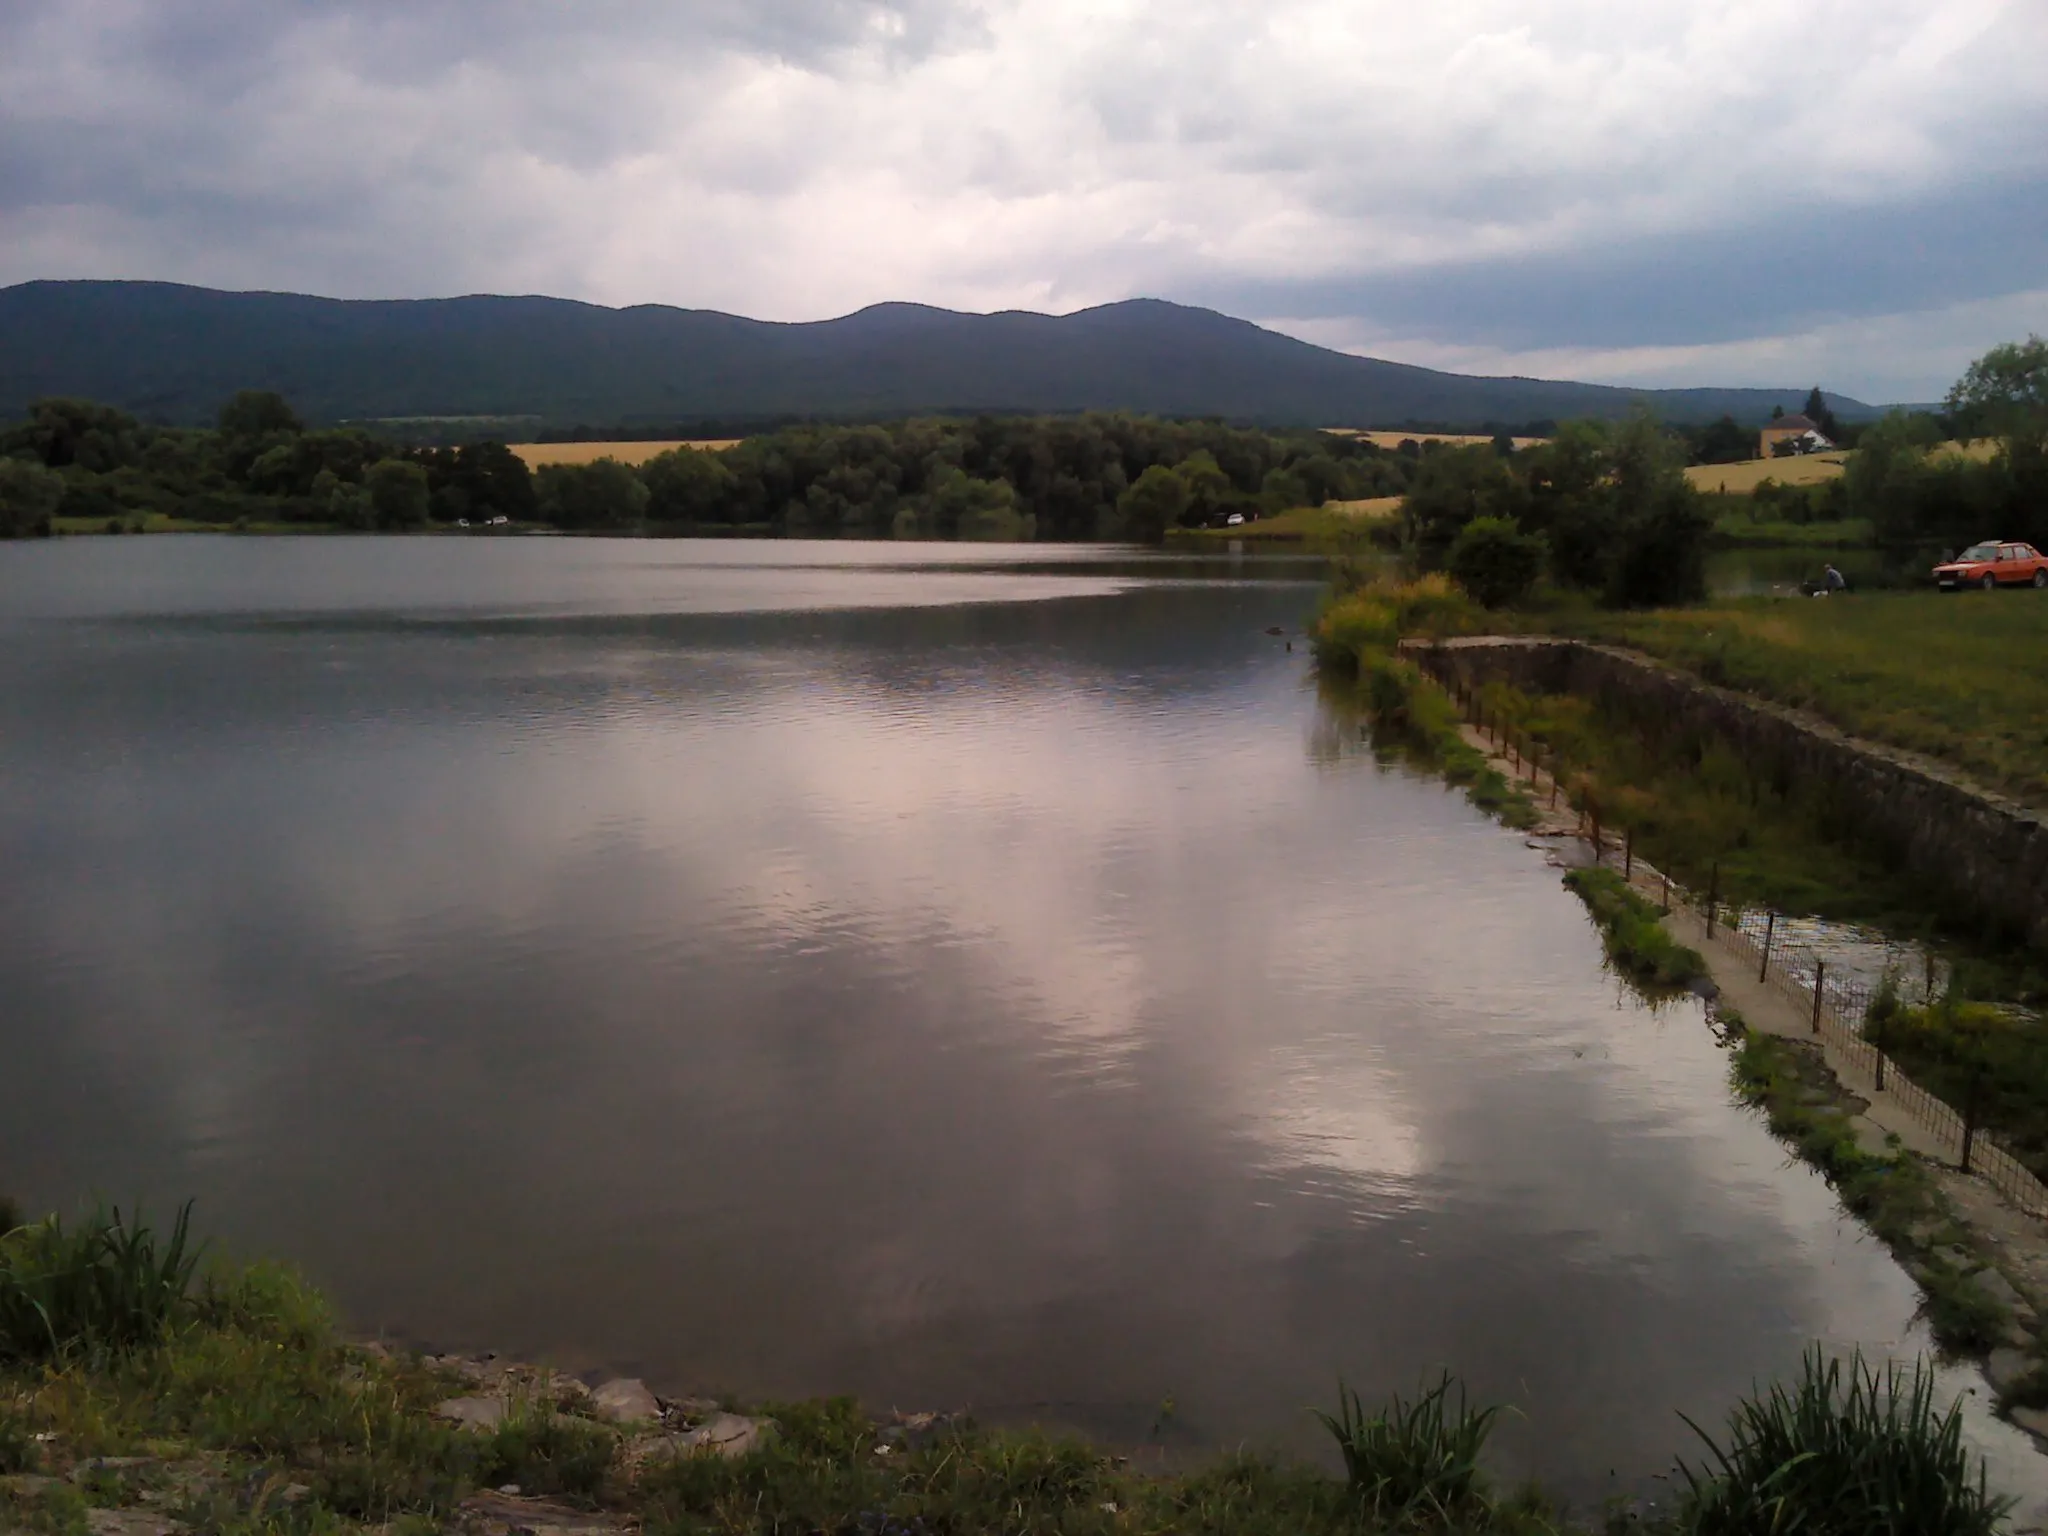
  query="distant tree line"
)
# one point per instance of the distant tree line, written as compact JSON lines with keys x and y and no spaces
{"x":1100,"y":476}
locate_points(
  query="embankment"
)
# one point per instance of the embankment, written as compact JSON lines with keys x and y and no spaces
{"x":1978,"y":853}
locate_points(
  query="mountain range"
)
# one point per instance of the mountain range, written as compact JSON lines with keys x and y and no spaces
{"x":171,"y":353}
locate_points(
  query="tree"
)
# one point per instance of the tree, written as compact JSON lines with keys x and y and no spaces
{"x":1153,"y":504}
{"x":253,"y":414}
{"x":397,"y":491}
{"x":1724,"y":442}
{"x":688,"y":485}
{"x":29,"y":498}
{"x":2004,"y":394}
{"x":601,"y":494}
{"x":1495,"y":561}
{"x":1452,"y":487}
{"x":1816,"y":411}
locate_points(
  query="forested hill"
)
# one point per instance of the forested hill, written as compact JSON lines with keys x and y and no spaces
{"x":172,"y":354}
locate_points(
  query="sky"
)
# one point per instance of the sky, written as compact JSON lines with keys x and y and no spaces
{"x":1848,"y":192}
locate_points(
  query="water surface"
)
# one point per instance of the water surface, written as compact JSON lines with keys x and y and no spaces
{"x":949,"y":977}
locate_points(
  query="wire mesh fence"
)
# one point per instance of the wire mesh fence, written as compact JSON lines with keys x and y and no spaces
{"x":1837,"y":1005}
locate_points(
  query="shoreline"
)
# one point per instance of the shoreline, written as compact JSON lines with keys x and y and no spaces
{"x":2005,"y":1245}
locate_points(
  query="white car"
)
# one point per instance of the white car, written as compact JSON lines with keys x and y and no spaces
{"x":1236,"y":519}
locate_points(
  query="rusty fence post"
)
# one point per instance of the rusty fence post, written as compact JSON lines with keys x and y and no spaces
{"x":1970,"y":1119}
{"x":1667,"y":893}
{"x":1880,"y":1071}
{"x":1820,"y":991}
{"x":1713,"y":896}
{"x":1628,"y":855}
{"x":1599,"y":848}
{"x":1763,"y":972}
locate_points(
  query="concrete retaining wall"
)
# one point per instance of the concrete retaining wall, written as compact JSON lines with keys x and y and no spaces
{"x":1980,"y":853}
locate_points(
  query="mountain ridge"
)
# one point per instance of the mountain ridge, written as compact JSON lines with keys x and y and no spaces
{"x":172,"y":352}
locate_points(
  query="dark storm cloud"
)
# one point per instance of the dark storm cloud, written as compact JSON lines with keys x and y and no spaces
{"x":1632,"y":184}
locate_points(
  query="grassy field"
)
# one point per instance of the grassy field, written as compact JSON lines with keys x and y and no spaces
{"x":1740,"y":479}
{"x":1298,"y":525}
{"x":537,"y":454}
{"x":1955,"y":676}
{"x":157,"y":522}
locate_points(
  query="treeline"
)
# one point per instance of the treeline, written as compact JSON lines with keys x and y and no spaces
{"x":1104,"y":476}
{"x":1917,"y":492}
{"x":260,"y":464}
{"x":1597,"y":508}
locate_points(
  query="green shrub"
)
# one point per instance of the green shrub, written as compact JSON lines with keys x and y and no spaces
{"x":1635,"y":941}
{"x":106,"y":1285}
{"x":1841,"y":1453}
{"x":1495,"y":561}
{"x":1413,"y":1460}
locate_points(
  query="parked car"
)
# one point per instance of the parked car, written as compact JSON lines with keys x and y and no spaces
{"x":1989,"y":565}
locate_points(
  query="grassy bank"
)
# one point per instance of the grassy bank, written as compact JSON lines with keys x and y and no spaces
{"x":1888,"y":1188}
{"x":1948,"y":675}
{"x":1635,"y":940}
{"x":1336,"y":521}
{"x":1355,"y":637}
{"x":226,"y":1400}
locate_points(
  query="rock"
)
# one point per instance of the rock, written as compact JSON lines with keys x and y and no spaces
{"x":110,"y":1466}
{"x":294,"y":1493}
{"x":625,"y":1401}
{"x":500,"y":1514}
{"x":473,"y":1412}
{"x":723,"y":1434}
{"x":1997,"y":1288}
{"x":2004,"y":1367}
{"x":129,"y":1522}
{"x":2033,"y":1420}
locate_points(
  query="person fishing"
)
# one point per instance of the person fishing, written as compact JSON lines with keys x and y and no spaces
{"x":1832,"y":580}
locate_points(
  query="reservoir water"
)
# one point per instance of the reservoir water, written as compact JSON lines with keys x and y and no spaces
{"x":952,"y":977}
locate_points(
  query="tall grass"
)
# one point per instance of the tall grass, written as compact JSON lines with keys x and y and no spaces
{"x":108,"y":1284}
{"x":1413,"y":1461}
{"x":1850,"y":1452}
{"x":1635,"y":941}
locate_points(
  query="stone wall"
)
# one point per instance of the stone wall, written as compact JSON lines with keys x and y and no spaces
{"x":1981,"y":854}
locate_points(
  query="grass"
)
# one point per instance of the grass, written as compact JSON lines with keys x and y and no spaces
{"x":103,"y":1285}
{"x":1841,"y":1452}
{"x":1734,"y":528}
{"x":245,"y":1414}
{"x":1964,"y":1051}
{"x":1890,"y":1190}
{"x":1338,"y":520}
{"x":1741,"y":478}
{"x":1633,"y":936}
{"x":1944,"y":675}
{"x":1413,"y":1461}
{"x":159,"y":522}
{"x":1355,"y":638}
{"x":537,"y":454}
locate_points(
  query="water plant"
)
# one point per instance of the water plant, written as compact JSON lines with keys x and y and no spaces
{"x":107,"y":1284}
{"x":1416,"y":1460}
{"x":1841,"y":1452}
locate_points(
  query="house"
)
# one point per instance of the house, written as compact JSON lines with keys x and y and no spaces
{"x":1800,"y":433}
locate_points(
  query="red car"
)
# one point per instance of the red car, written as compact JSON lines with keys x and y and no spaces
{"x":1994,"y":565}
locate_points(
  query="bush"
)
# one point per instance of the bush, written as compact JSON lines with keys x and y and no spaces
{"x":102,"y":1287}
{"x":1413,"y":1461}
{"x":1495,"y":561}
{"x":1841,"y":1454}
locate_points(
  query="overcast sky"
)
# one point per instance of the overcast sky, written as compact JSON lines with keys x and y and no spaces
{"x":1635,"y":191}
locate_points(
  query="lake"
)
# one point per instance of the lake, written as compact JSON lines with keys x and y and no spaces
{"x":952,"y":976}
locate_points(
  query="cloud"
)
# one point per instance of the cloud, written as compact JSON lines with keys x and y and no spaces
{"x":1648,"y":181}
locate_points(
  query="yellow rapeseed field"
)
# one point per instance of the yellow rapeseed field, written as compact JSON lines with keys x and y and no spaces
{"x":537,"y":454}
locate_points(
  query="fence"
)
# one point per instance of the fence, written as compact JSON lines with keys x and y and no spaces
{"x":1837,"y":1006}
